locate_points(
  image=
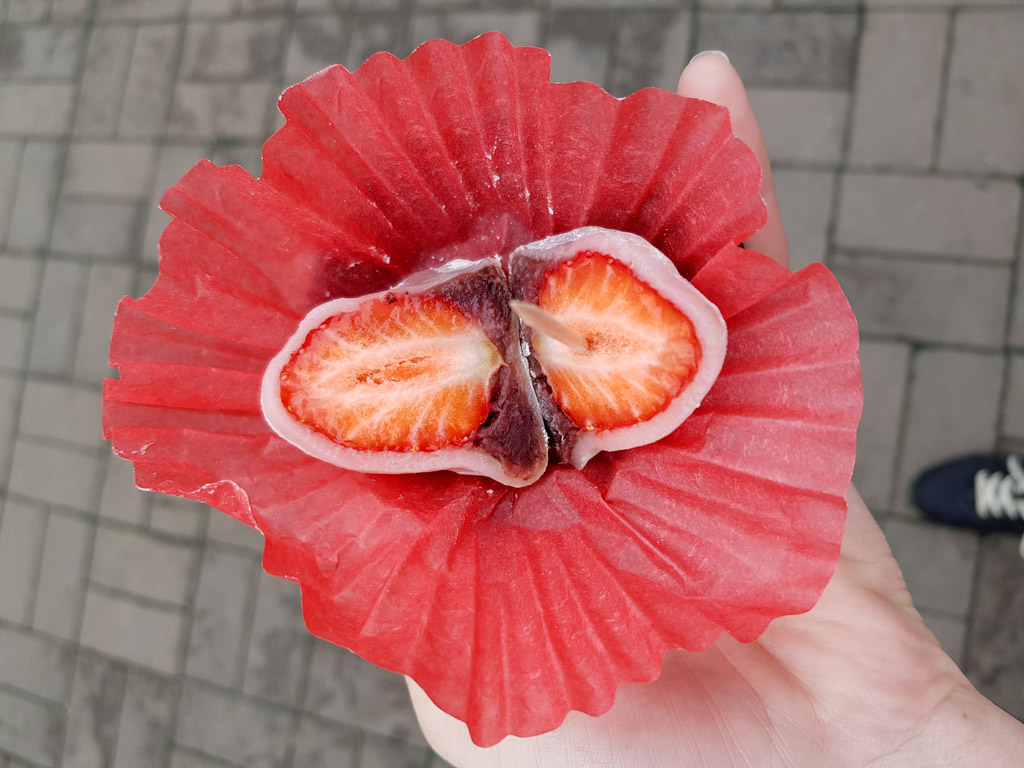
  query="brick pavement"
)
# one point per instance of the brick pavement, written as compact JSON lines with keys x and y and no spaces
{"x":140,"y":631}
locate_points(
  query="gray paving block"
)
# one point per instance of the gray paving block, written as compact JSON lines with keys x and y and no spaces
{"x":27,"y":10}
{"x":55,"y":474}
{"x":651,"y":50}
{"x":775,"y":49}
{"x":143,"y":564}
{"x":10,"y":162}
{"x":30,"y":728}
{"x":36,"y":109}
{"x":884,"y":368}
{"x":140,"y":10}
{"x":227,"y":530}
{"x":981,"y":126}
{"x":581,"y":43}
{"x":97,"y":698}
{"x":58,"y":317}
{"x":950,"y":631}
{"x":370,"y":34}
{"x":520,"y":27}
{"x":21,"y":275}
{"x":279,"y":644}
{"x":103,"y":79}
{"x":382,"y":752}
{"x":232,"y":728}
{"x":801,"y":125}
{"x":60,"y":411}
{"x":150,"y":83}
{"x":901,"y":53}
{"x":953,"y":407}
{"x":148,"y":635}
{"x":929,"y":215}
{"x":1013,"y":411}
{"x":315,"y":42}
{"x":805,"y":202}
{"x":14,"y":336}
{"x":42,"y":51}
{"x":61,"y":586}
{"x":931,"y":302}
{"x":22,"y":535}
{"x":117,"y":169}
{"x":242,"y":49}
{"x":937,"y":562}
{"x":146,"y":730}
{"x":36,"y":195}
{"x":213,"y":111}
{"x":121,"y":500}
{"x":35,"y":663}
{"x":99,"y":229}
{"x":108,"y":283}
{"x":321,"y":744}
{"x":178,"y":517}
{"x":995,"y":648}
{"x":219,"y":639}
{"x":344,"y":687}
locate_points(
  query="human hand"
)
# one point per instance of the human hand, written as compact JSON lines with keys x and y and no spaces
{"x":857,"y":681}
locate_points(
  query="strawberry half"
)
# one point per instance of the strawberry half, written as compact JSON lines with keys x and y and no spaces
{"x":399,"y":373}
{"x":649,"y":347}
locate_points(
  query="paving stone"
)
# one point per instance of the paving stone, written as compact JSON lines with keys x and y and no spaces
{"x":279,"y":643}
{"x":734,"y":4}
{"x":344,"y":687}
{"x":109,"y":169}
{"x":54,"y":474}
{"x":884,"y":370}
{"x":805,"y":202}
{"x":520,"y":27}
{"x":651,"y":50}
{"x":70,"y":10}
{"x":50,"y":51}
{"x":801,"y":125}
{"x":10,"y":396}
{"x":950,"y":631}
{"x":105,"y":230}
{"x":937,"y":563}
{"x":227,"y":530}
{"x":247,"y":155}
{"x":246,"y":49}
{"x":320,"y":744}
{"x":316,"y":42}
{"x":146,"y":732}
{"x":22,"y":534}
{"x":371,"y":34}
{"x":57,"y":318}
{"x":97,"y":698}
{"x":217,"y":646}
{"x":21,"y":280}
{"x":147,"y":94}
{"x":995,"y":661}
{"x":61,"y":412}
{"x":782,"y":49}
{"x":927,"y":214}
{"x":108,"y":283}
{"x":35,"y":663}
{"x":140,"y":9}
{"x":580,"y":43}
{"x":14,"y":333}
{"x":103,"y":79}
{"x":178,"y":517}
{"x":933,"y":4}
{"x":1013,"y":412}
{"x":232,"y":728}
{"x":36,"y":109}
{"x":981,"y":126}
{"x":27,"y":10}
{"x":142,"y":564}
{"x":953,"y":410}
{"x":189,"y":759}
{"x":889,"y":128}
{"x":139,"y":633}
{"x":925,"y":301}
{"x":10,"y":161}
{"x":29,"y":728}
{"x":121,"y":499}
{"x":62,"y":573}
{"x":212,"y":111}
{"x":35,"y":197}
{"x":381,"y":752}
{"x":1017,"y":320}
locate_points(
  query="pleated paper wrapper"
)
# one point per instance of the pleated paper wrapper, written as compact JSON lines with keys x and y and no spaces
{"x":509,"y":607}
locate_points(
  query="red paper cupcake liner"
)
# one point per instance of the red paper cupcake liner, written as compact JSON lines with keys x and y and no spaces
{"x":509,"y":607}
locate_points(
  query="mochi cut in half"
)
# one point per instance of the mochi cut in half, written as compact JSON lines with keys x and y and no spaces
{"x":426,"y":376}
{"x":622,"y":347}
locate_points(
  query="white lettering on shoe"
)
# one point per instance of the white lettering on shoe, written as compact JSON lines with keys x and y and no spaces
{"x":999,"y":494}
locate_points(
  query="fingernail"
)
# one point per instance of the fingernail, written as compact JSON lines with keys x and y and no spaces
{"x":709,"y":53}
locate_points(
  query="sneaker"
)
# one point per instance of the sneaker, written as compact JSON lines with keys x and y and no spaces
{"x":981,"y":492}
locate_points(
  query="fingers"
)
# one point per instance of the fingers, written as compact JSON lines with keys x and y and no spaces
{"x":711,"y":77}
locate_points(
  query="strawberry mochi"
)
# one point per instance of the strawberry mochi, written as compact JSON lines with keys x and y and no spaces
{"x":614,"y":351}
